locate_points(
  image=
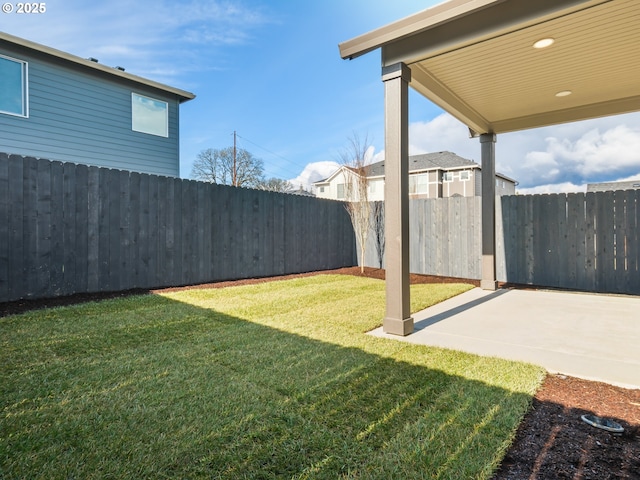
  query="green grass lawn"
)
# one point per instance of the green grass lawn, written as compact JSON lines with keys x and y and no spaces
{"x":276,"y":380}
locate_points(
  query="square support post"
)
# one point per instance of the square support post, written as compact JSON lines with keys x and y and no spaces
{"x":396,"y":78}
{"x":488,"y":152}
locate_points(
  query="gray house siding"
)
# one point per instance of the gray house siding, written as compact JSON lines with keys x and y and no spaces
{"x":85,"y":118}
{"x":477,"y":178}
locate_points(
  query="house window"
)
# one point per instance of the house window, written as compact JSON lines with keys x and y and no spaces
{"x":376,"y":186}
{"x":321,"y":189}
{"x":149,"y":115}
{"x":447,"y":176}
{"x":419,"y":183}
{"x":341,"y":190}
{"x":465,"y":175}
{"x":13,"y":87}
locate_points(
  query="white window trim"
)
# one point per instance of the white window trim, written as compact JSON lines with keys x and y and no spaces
{"x":25,"y":88}
{"x":166,"y":126}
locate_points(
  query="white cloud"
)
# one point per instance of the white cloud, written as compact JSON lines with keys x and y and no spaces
{"x":565,"y":187}
{"x":614,"y":150}
{"x":443,"y":133}
{"x":313,"y":172}
{"x":591,"y":151}
{"x":632,"y":178}
{"x":551,"y":159}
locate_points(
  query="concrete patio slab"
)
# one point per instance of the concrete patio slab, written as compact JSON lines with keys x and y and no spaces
{"x":590,"y":336}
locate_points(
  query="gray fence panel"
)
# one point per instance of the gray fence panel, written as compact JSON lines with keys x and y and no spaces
{"x":31,"y":257}
{"x":14,"y":246}
{"x":579,"y":241}
{"x":5,"y":227}
{"x":632,"y":242}
{"x":584,"y":242}
{"x":445,"y":238}
{"x":69,"y":228}
{"x":72,"y":228}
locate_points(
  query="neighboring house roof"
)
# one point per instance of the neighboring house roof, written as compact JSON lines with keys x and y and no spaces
{"x":427,"y":161}
{"x":611,"y":186}
{"x":302,"y":192}
{"x":94,"y":66}
{"x":417,"y":163}
{"x":328,"y":179}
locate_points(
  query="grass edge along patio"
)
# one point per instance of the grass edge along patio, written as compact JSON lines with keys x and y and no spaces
{"x":275,"y":380}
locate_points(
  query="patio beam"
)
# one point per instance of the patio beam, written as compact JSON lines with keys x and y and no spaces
{"x":488,"y":153}
{"x":396,"y":78}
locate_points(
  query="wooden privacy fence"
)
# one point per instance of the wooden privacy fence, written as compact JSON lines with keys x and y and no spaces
{"x":581,"y":241}
{"x":67,"y":228}
{"x":588,"y":242}
{"x":444,"y":238}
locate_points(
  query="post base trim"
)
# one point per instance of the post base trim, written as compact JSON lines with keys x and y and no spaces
{"x":396,"y":326}
{"x":489,"y":285}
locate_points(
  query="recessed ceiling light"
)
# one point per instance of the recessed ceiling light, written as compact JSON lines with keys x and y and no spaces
{"x":544,"y":43}
{"x":564,"y":93}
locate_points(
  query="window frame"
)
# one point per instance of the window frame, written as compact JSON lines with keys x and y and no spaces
{"x":419,"y":183}
{"x":447,"y":174}
{"x":24,"y":87}
{"x":166,"y":119}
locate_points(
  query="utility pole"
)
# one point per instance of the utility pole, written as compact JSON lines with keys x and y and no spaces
{"x":234,"y":180}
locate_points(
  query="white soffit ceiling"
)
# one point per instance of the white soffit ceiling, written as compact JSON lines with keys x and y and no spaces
{"x":495,"y":81}
{"x":509,"y":85}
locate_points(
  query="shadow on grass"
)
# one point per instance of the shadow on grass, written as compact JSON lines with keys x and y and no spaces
{"x":148,"y":387}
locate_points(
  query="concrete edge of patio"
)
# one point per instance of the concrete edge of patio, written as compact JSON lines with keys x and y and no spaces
{"x":590,"y":336}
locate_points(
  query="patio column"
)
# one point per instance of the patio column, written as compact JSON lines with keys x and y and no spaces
{"x":398,"y":320}
{"x":488,"y":149}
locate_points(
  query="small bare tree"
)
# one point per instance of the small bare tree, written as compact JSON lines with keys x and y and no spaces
{"x":356,"y":191}
{"x":378,"y":230}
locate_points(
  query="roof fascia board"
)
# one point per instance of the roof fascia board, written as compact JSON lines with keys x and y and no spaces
{"x":417,"y":22}
{"x":498,"y":174}
{"x":493,"y":19}
{"x":184,"y":95}
{"x":583,"y":112}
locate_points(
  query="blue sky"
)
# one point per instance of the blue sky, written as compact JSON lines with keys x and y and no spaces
{"x":271,"y":71}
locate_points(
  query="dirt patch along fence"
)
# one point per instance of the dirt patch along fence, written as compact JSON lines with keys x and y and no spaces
{"x":67,"y":228}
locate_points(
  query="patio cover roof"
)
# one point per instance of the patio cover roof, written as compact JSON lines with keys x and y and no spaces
{"x":476,"y":60}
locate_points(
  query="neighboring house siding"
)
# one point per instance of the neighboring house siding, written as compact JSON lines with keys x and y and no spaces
{"x":503,"y":186}
{"x":478,"y":182}
{"x":77,"y":117}
{"x":460,"y":185}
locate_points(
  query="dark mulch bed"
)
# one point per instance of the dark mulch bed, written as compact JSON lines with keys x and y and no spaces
{"x":552,"y":442}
